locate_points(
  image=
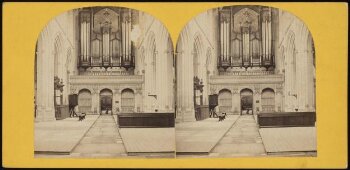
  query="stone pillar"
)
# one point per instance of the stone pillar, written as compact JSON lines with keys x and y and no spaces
{"x":95,"y":101}
{"x":138,"y":100}
{"x":279,"y":99}
{"x":257,"y":96}
{"x":236,"y":103}
{"x":185,"y":78}
{"x":170,"y":79}
{"x":149,"y":74}
{"x":45,"y":78}
{"x":116,"y":101}
{"x":161,"y":39}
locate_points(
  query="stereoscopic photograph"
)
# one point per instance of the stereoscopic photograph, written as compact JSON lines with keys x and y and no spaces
{"x":239,"y":82}
{"x":104,"y":86}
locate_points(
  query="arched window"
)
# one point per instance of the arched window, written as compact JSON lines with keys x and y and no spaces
{"x":57,"y":51}
{"x":196,"y":51}
{"x":128,"y":101}
{"x":268,"y":100}
{"x":225,"y":101}
{"x":84,"y":100}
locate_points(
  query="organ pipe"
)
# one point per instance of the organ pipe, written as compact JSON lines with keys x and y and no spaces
{"x":112,"y":45}
{"x":82,"y":42}
{"x":221,"y":39}
{"x":88,"y":41}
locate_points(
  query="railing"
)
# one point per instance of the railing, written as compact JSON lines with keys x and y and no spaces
{"x":246,"y":73}
{"x":231,"y":62}
{"x":107,"y":63}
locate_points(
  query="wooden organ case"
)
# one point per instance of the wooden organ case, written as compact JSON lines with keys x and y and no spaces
{"x":104,"y":37}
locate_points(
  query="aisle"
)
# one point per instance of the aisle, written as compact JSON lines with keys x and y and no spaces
{"x":243,"y":139}
{"x":102,"y":140}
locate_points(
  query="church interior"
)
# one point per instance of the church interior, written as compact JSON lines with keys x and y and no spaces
{"x":251,"y":59}
{"x":108,"y":59}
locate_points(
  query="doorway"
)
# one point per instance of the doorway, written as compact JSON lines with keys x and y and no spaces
{"x":246,"y":101}
{"x":106,"y":101}
{"x":225,"y":101}
{"x":128,"y":101}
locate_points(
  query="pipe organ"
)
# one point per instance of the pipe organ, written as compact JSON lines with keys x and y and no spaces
{"x":246,"y":38}
{"x":105,"y":38}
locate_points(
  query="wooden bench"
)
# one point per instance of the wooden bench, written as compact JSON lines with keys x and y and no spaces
{"x":146,"y":120}
{"x":287,"y":119}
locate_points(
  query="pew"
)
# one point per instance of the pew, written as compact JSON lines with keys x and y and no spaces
{"x":287,"y":119}
{"x":146,"y":120}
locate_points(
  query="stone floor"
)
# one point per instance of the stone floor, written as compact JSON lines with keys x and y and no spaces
{"x":61,"y":136}
{"x":201,"y":136}
{"x":99,"y":137}
{"x":241,"y":139}
{"x":102,"y":140}
{"x":289,"y":139}
{"x":148,"y":140}
{"x":237,"y":136}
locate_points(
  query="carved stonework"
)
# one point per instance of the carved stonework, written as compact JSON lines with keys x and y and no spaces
{"x":246,"y":18}
{"x":73,"y":89}
{"x":257,"y":89}
{"x":213,"y":90}
{"x":138,"y":91}
{"x":279,"y":89}
{"x":95,"y":89}
{"x":117,"y":90}
{"x":234,"y":91}
{"x":247,"y":79}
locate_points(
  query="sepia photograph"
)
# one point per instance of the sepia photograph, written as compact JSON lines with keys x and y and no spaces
{"x":245,"y":85}
{"x":104,"y":86}
{"x":175,"y":85}
{"x":240,"y":83}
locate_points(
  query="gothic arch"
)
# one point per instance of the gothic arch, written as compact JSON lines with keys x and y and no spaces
{"x":57,"y":52}
{"x":198,"y":55}
{"x":290,"y":56}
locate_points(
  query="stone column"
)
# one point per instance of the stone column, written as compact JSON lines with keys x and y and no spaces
{"x":170,"y":78}
{"x":236,"y":103}
{"x":257,"y":96}
{"x":279,"y":99}
{"x":161,"y":67}
{"x":116,"y":101}
{"x":45,"y":78}
{"x":185,"y":78}
{"x":95,"y":101}
{"x":138,"y":100}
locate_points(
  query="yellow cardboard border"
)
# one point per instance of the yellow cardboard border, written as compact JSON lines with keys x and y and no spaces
{"x":328,"y":23}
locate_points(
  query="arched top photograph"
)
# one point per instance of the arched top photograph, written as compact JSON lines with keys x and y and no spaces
{"x":252,"y":67}
{"x":104,"y":70}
